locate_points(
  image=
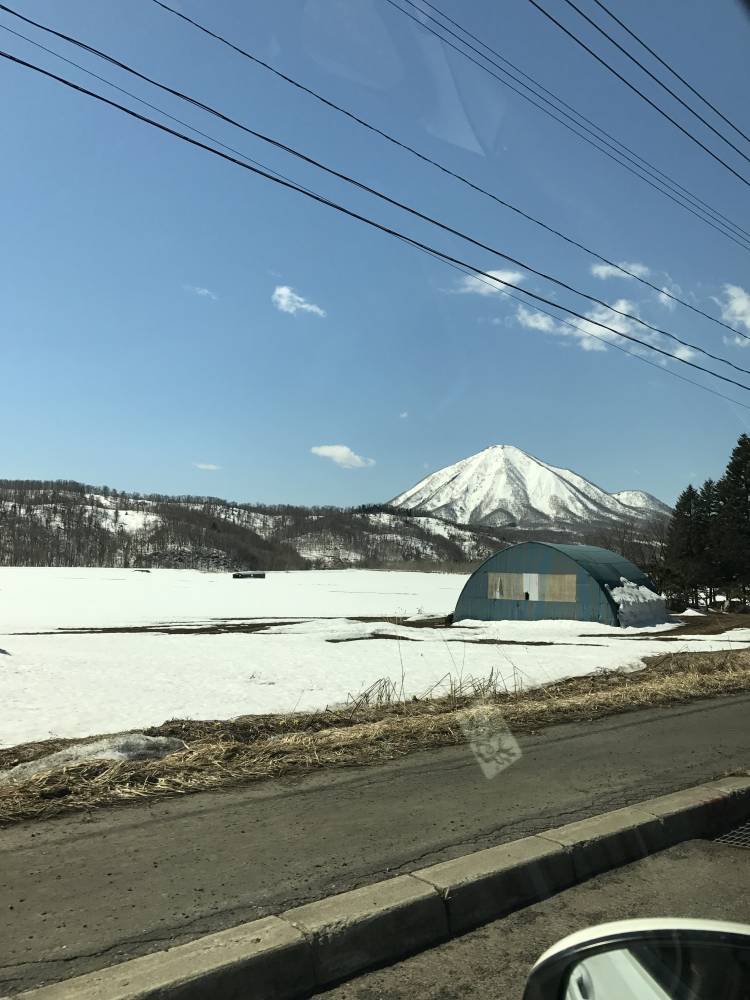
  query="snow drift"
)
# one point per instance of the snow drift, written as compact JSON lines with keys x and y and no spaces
{"x":638,"y":607}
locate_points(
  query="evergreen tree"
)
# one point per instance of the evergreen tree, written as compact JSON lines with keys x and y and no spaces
{"x":685,"y":545}
{"x":733,"y":518}
{"x":712,"y":570}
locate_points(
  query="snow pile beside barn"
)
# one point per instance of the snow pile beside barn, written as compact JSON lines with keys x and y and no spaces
{"x":637,"y":606}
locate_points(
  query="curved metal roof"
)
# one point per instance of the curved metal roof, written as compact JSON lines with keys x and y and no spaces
{"x":604,"y":565}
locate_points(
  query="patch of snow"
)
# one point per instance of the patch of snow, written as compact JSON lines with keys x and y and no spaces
{"x":263,"y":524}
{"x":128,"y":746}
{"x":35,"y":599}
{"x":129,"y":520}
{"x":325,"y":549}
{"x":98,"y":500}
{"x":642,"y":501}
{"x":388,"y":520}
{"x":638,"y":606}
{"x":73,"y":685}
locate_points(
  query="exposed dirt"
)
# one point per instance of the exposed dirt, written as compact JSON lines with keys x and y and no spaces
{"x":221,"y":626}
{"x":467,"y":642}
{"x":710,"y":624}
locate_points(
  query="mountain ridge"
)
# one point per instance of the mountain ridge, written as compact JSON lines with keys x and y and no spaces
{"x":457,"y":515}
{"x":66,"y":523}
{"x":503,"y":486}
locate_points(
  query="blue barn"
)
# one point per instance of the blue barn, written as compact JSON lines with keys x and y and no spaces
{"x":537,"y":580}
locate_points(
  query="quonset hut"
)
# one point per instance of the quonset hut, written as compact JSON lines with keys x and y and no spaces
{"x":541,"y":580}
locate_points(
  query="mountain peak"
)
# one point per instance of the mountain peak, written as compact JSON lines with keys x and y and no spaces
{"x":503,"y":486}
{"x":509,"y":449}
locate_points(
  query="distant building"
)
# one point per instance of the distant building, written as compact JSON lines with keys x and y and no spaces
{"x":542,"y":580}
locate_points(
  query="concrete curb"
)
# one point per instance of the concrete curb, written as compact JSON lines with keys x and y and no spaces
{"x":312,"y":946}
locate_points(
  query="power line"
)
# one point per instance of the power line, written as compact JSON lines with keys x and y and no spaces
{"x":320,"y":199}
{"x":640,"y":93}
{"x":619,"y":347}
{"x":435,"y":255}
{"x":629,"y":154}
{"x":438,"y":255}
{"x":405,"y":207}
{"x":613,"y":146}
{"x":559,"y":100}
{"x":656,"y":79}
{"x":672,"y":70}
{"x":147,"y":104}
{"x":673,"y":196}
{"x":586,"y":333}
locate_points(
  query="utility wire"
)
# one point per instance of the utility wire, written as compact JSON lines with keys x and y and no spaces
{"x":672,"y":70}
{"x":579,"y":329}
{"x":618,"y":347}
{"x":559,"y":100}
{"x":147,"y":104}
{"x":465,"y":269}
{"x":628,"y":154}
{"x":640,"y":93}
{"x":436,"y":256}
{"x":673,"y":196}
{"x":320,"y":199}
{"x":656,"y":79}
{"x":412,"y":211}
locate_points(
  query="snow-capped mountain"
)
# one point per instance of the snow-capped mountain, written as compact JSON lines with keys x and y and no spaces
{"x":644,"y":501}
{"x":502,"y":486}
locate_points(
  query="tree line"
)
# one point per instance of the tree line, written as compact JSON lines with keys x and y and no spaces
{"x":708,"y":544}
{"x":65,"y":523}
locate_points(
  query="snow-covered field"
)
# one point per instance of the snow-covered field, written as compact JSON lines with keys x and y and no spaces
{"x":62,"y":684}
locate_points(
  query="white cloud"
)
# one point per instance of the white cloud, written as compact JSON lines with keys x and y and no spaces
{"x":735,"y":310}
{"x":533,"y":320}
{"x":606,"y":271}
{"x":204,"y":293}
{"x":620,"y":324}
{"x":609,"y":271}
{"x":287,"y":300}
{"x":665,"y":299}
{"x":475,"y":285}
{"x":588,"y":335}
{"x":207,"y":466}
{"x":342,"y":456}
{"x":684,"y":353}
{"x":668,"y":289}
{"x":404,"y":414}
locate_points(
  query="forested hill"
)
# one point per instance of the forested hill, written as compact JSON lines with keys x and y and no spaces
{"x":65,"y":523}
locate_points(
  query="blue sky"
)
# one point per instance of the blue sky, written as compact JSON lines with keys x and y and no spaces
{"x":171,"y":323}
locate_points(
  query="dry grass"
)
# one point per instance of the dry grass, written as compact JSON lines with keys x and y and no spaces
{"x":378,"y":725}
{"x":711,"y":624}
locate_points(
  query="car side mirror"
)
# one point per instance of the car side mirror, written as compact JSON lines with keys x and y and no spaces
{"x":662,"y":959}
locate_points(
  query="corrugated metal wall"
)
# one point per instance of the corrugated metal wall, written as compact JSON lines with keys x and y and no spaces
{"x":557,"y":587}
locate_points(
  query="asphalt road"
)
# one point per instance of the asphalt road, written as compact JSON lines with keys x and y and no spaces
{"x":697,"y":879}
{"x":80,"y":893}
